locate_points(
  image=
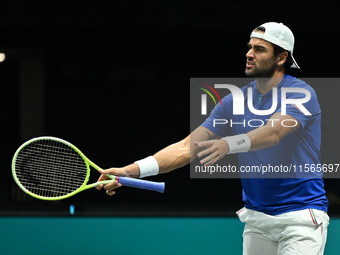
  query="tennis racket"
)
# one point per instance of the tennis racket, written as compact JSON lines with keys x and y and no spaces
{"x":50,"y":168}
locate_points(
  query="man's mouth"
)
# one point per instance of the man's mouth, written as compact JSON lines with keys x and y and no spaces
{"x":250,"y":64}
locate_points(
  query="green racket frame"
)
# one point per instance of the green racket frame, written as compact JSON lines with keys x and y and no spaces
{"x":83,"y":187}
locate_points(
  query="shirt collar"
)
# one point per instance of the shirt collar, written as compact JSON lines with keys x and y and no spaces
{"x":269,"y":93}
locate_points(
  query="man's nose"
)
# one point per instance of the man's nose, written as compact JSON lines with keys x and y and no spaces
{"x":250,"y":54}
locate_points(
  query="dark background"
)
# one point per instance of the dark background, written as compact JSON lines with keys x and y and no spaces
{"x":113,"y":79}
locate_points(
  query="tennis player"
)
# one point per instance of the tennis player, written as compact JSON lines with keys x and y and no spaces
{"x":281,"y":215}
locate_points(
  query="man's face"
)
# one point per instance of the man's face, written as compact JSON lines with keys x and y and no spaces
{"x":260,"y":59}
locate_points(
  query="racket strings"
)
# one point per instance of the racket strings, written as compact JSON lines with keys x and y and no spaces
{"x":50,"y":168}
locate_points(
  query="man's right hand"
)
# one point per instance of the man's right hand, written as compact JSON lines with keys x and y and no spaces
{"x":127,"y":171}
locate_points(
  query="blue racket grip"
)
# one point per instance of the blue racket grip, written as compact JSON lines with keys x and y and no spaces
{"x":142,"y":184}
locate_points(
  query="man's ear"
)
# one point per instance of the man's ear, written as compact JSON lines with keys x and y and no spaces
{"x":283,"y":56}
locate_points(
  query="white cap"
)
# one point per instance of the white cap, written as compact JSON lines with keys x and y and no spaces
{"x":278,"y":34}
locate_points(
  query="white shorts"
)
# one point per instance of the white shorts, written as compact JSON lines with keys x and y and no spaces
{"x":301,"y":232}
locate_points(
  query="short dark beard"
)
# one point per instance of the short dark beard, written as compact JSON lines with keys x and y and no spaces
{"x":262,"y":73}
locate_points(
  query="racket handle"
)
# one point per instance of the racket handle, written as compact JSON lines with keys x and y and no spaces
{"x":142,"y":184}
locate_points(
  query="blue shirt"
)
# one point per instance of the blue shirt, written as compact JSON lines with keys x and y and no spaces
{"x":277,"y":195}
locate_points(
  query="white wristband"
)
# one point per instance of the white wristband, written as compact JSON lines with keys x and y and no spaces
{"x":147,"y":166}
{"x":238,"y":143}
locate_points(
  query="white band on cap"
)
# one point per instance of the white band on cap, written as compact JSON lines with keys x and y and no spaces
{"x":238,"y":143}
{"x":147,"y":166}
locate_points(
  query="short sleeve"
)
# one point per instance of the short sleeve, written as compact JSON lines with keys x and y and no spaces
{"x":312,"y":106}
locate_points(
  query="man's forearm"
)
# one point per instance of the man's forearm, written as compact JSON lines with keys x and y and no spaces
{"x":263,"y":137}
{"x":170,"y":158}
{"x":272,"y":133}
